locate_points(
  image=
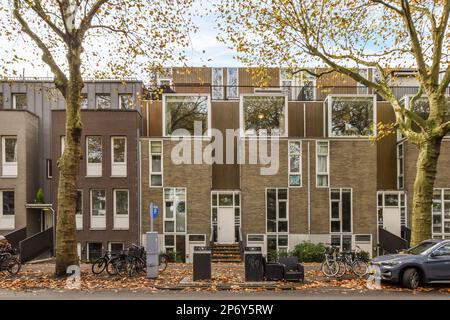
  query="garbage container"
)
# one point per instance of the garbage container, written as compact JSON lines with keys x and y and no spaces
{"x":202,"y":263}
{"x":254,"y":266}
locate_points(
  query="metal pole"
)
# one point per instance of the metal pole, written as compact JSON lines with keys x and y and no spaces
{"x":151,"y":216}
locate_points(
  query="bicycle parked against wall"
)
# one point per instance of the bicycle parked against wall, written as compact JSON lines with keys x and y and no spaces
{"x":100,"y":264}
{"x":352,"y":262}
{"x":9,"y":261}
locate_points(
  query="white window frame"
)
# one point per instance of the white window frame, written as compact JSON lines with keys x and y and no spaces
{"x":93,"y":169}
{"x":168,"y":77}
{"x":403,"y":207}
{"x":7,"y":222}
{"x":229,"y":97}
{"x":217,"y":206}
{"x":164,"y":98}
{"x":296,"y":84}
{"x":278,"y":233}
{"x":49,"y":168}
{"x":442,"y":201}
{"x":340,"y":211}
{"x":127,"y":94}
{"x":400,"y":164}
{"x":98,"y":222}
{"x":97,"y":95}
{"x":14,"y":100}
{"x":10,"y":169}
{"x":329,"y":104}
{"x":121,"y":221}
{"x":119,"y":169}
{"x":87,"y":249}
{"x":151,"y":171}
{"x":175,"y":232}
{"x":242,"y":131}
{"x":220,"y":85}
{"x":115,"y":242}
{"x":79,"y":217}
{"x":299,"y":155}
{"x":327,"y":173}
{"x":361,"y":88}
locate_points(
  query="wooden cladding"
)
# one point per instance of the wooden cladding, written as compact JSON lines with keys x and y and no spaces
{"x":386,"y":150}
{"x":152,"y":118}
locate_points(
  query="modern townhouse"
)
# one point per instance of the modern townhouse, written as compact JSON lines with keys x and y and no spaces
{"x":333,"y":184}
{"x":32,"y":131}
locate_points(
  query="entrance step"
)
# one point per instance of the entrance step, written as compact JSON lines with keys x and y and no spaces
{"x":226,"y":253}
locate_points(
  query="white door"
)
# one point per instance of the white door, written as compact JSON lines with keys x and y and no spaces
{"x":391,"y":221}
{"x":225,"y":225}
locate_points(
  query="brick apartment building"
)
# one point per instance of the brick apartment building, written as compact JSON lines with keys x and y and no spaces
{"x":333,"y":184}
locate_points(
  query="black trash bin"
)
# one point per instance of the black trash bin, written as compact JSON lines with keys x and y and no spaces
{"x":254,"y":266}
{"x":202,"y":263}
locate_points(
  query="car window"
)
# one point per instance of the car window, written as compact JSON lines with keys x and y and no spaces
{"x":445,"y":250}
{"x":421,"y":248}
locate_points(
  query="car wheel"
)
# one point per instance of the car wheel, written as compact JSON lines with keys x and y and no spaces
{"x":411,"y":278}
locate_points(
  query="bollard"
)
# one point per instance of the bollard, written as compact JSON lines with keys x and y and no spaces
{"x":152,"y":255}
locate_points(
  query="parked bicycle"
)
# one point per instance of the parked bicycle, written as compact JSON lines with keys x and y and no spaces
{"x":331,"y":264}
{"x":100,"y":264}
{"x":352,"y":262}
{"x":9,"y":261}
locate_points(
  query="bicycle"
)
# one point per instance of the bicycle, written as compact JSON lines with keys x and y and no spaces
{"x":9,"y":261}
{"x":352,"y":262}
{"x":331,"y":265}
{"x":100,"y":264}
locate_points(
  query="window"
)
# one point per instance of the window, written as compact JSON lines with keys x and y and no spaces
{"x":341,"y":211}
{"x":400,"y":165}
{"x":175,"y":221}
{"x":9,"y":156}
{"x":119,"y":156}
{"x":79,"y":210}
{"x":295,"y":163}
{"x":19,"y":101}
{"x":422,"y":107}
{"x":277,"y":220}
{"x":95,"y":251}
{"x":84,"y":101}
{"x":389,"y":200}
{"x":264,"y":115}
{"x":103,"y":101}
{"x":342,"y":241}
{"x":94,"y":156}
{"x":360,"y":88}
{"x":98,"y":209}
{"x":183,"y":114}
{"x":121,"y":209}
{"x":441,"y":214}
{"x":164,"y":78}
{"x":322,"y":163}
{"x":300,"y":86}
{"x":232,"y":83}
{"x":1,"y":101}
{"x":115,"y":247}
{"x":48,"y":164}
{"x":217,"y":83}
{"x":126,"y":101}
{"x":7,"y":210}
{"x":351,"y":116}
{"x":156,"y":166}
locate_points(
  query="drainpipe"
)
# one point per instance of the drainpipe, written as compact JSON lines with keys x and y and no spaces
{"x":54,"y":230}
{"x":140,"y":189}
{"x":309,"y":192}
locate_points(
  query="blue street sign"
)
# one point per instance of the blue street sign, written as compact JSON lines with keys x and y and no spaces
{"x":155,"y":211}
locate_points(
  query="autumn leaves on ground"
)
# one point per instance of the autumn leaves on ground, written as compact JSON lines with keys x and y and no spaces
{"x":35,"y":277}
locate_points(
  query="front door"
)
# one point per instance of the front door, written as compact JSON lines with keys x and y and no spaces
{"x":392,"y":221}
{"x":47,"y":220}
{"x":225,"y":225}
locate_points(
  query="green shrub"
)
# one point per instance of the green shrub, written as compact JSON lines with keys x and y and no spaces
{"x":40,"y":196}
{"x":309,"y":252}
{"x":274,"y":256}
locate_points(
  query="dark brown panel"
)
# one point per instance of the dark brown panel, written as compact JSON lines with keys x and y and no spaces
{"x":314,"y":120}
{"x":155,"y":117}
{"x":296,"y":116}
{"x":225,"y":115}
{"x":386,"y":151}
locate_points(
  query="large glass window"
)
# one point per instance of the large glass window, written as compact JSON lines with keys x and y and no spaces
{"x":295,"y":163}
{"x":94,"y":149}
{"x":322,"y":163}
{"x":300,"y":86}
{"x":351,"y":116}
{"x":19,"y":101}
{"x":264,"y":115}
{"x":9,"y":156}
{"x":277,"y":219}
{"x":183,"y":112}
{"x":126,"y":101}
{"x":156,"y":166}
{"x":217,"y":83}
{"x":95,"y":251}
{"x":232,"y":83}
{"x":7,"y":210}
{"x":441,"y":214}
{"x":84,"y":102}
{"x":98,"y":202}
{"x":175,"y":221}
{"x":79,"y":210}
{"x":103,"y":101}
{"x":341,"y":210}
{"x":119,"y":156}
{"x":121,"y":209}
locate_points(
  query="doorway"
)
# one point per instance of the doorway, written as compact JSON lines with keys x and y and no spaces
{"x":225,"y":225}
{"x":226,"y":216}
{"x":46,"y":220}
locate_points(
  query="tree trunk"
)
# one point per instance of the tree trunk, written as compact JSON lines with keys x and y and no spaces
{"x":423,"y":190}
{"x":66,"y":243}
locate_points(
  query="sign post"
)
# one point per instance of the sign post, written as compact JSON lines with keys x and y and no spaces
{"x":152,"y":245}
{"x":154,"y":211}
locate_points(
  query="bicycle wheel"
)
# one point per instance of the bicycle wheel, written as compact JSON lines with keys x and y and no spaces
{"x":141,"y":266}
{"x":14,"y":266}
{"x":122,"y":267}
{"x":99,"y":265}
{"x":342,"y":268}
{"x":163,"y":262}
{"x":111,"y":266}
{"x":360,"y":268}
{"x":329,"y":268}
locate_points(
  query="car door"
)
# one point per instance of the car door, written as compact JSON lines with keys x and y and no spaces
{"x":439,"y":266}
